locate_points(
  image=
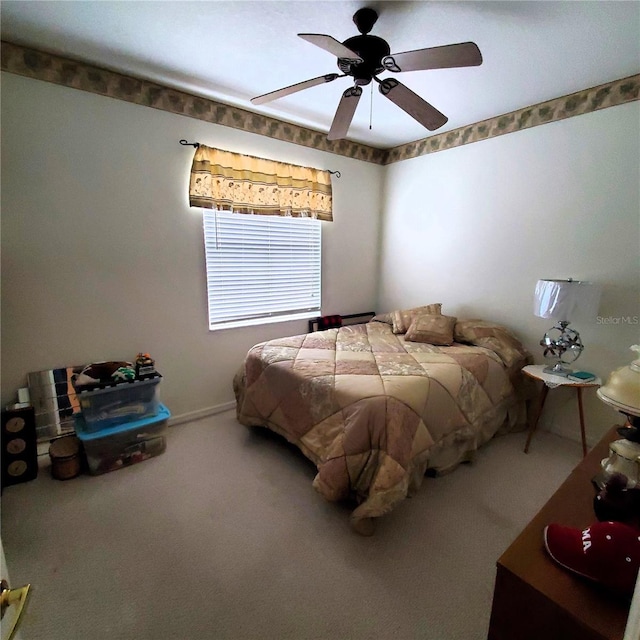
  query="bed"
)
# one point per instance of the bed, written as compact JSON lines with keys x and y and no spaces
{"x":375,"y":405}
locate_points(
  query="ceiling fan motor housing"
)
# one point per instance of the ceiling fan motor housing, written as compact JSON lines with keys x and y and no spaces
{"x":372,"y":50}
{"x":362,"y":57}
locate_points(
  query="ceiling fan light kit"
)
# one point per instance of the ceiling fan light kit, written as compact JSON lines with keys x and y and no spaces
{"x":365,"y":56}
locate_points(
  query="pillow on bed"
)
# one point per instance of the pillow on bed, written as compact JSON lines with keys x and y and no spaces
{"x":401,"y":320}
{"x":431,"y":328}
{"x":383,"y":317}
{"x":492,"y":336}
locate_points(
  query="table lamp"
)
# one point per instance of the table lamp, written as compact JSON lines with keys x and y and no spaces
{"x":562,"y":300}
{"x":622,"y":392}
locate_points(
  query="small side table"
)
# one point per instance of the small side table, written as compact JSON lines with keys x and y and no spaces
{"x":552,"y":381}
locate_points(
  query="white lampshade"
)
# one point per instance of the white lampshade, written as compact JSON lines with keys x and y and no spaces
{"x":565,"y":299}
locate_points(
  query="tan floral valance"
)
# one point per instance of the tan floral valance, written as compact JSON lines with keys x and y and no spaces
{"x":245,"y":184}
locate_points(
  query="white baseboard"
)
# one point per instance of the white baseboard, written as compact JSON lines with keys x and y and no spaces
{"x":201,"y":413}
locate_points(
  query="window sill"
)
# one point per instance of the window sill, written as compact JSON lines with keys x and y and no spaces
{"x":237,"y":324}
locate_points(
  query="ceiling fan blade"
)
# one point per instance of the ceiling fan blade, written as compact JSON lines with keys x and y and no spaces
{"x":465,"y":54}
{"x":344,"y":114}
{"x":419,"y":109}
{"x":280,"y":93}
{"x":331,"y":45}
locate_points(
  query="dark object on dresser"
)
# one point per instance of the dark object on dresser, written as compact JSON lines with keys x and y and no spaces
{"x":617,"y":503}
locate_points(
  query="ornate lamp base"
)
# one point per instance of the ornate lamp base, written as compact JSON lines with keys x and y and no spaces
{"x":562,"y":345}
{"x":558,"y":369}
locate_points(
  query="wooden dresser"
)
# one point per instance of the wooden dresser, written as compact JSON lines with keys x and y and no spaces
{"x":536,"y":599}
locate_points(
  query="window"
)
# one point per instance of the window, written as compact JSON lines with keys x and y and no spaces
{"x":261,"y":268}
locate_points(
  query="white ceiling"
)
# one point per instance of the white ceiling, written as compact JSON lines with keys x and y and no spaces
{"x":231,"y":51}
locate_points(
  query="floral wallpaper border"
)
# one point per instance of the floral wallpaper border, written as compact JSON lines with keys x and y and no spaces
{"x":574,"y":104}
{"x":79,"y":75}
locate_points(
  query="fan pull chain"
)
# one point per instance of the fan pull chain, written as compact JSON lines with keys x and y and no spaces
{"x":371,"y":108}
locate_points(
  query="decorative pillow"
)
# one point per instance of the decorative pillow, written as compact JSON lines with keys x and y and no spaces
{"x":431,"y":328}
{"x":402,"y":319}
{"x":383,"y":317}
{"x":495,"y":337}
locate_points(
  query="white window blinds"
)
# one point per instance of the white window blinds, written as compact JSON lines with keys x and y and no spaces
{"x":261,"y":268}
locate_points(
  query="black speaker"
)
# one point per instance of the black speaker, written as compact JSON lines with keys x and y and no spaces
{"x":19,"y":446}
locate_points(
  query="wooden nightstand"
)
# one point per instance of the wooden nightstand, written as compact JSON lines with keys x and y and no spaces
{"x":551,"y":381}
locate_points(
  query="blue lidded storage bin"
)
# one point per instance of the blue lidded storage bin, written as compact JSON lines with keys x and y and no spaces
{"x":109,"y":405}
{"x":124,"y":444}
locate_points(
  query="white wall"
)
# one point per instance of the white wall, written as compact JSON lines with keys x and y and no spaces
{"x":476,"y":226}
{"x":102,"y":256}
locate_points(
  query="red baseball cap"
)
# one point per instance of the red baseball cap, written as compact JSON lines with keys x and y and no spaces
{"x":605,"y":552}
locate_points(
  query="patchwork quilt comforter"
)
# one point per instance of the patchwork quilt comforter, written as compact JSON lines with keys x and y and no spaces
{"x":374,"y":411}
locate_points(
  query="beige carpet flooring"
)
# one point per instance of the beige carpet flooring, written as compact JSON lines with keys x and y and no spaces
{"x":223,"y":537}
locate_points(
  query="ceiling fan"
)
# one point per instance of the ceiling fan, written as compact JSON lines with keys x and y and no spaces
{"x":363,"y":57}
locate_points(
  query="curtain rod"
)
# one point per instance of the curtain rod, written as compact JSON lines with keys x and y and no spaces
{"x":184,"y":143}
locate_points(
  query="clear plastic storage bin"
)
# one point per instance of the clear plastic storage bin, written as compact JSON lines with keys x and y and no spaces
{"x":112,"y":404}
{"x":125,"y":444}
